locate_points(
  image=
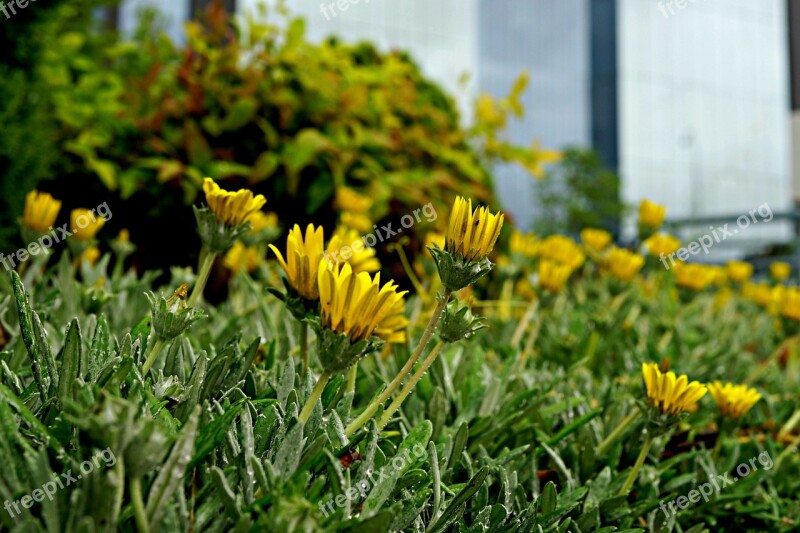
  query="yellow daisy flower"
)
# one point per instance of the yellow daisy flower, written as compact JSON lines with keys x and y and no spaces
{"x":651,"y":214}
{"x":670,"y":394}
{"x":562,"y":250}
{"x":790,"y":305}
{"x":241,"y":258}
{"x":356,"y":305}
{"x":347,"y":246}
{"x":350,"y":200}
{"x":595,"y":239}
{"x":259,"y":221}
{"x":84,"y":224}
{"x":303,"y":257}
{"x":780,"y":270}
{"x":41,"y":210}
{"x":552,"y":275}
{"x":360,"y":223}
{"x":472,"y":233}
{"x":525,"y":244}
{"x":739,"y":271}
{"x":662,"y":244}
{"x":693,"y":275}
{"x":231,"y":208}
{"x":624,"y":264}
{"x":91,"y":255}
{"x":732,"y":400}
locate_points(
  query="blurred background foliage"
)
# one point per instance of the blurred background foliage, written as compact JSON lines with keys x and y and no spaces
{"x":139,"y":122}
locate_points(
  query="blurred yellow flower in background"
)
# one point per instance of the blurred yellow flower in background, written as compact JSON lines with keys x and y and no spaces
{"x":347,"y":246}
{"x":241,"y":258}
{"x":41,"y":210}
{"x":231,"y":208}
{"x":651,"y":214}
{"x":739,"y":271}
{"x":350,"y":200}
{"x":662,"y":244}
{"x":84,"y":224}
{"x":790,"y":306}
{"x":562,"y":250}
{"x":552,"y":275}
{"x":356,"y":221}
{"x":780,"y":270}
{"x":732,"y":400}
{"x":91,"y":255}
{"x":670,"y":394}
{"x":525,"y":244}
{"x":259,"y":221}
{"x":693,"y":276}
{"x":624,"y":264}
{"x":472,"y":233}
{"x":595,"y":239}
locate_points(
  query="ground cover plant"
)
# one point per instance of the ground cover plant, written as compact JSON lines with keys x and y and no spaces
{"x":596,"y":391}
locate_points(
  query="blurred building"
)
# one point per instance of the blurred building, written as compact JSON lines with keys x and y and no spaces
{"x":689,"y":100}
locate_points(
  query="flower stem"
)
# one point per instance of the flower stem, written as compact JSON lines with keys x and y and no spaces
{"x":614,"y":436}
{"x":637,"y":466}
{"x":523,"y":323}
{"x":139,"y":514}
{"x":202,"y":278}
{"x":351,"y":378}
{"x":395,"y":405}
{"x":359,"y":422}
{"x":308,"y":408}
{"x":152,"y":353}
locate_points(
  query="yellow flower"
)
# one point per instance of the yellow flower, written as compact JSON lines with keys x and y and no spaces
{"x":84,"y":224}
{"x":241,"y":258}
{"x":651,"y":214}
{"x":541,"y":157}
{"x":41,"y":210}
{"x":231,"y":208}
{"x":525,"y":244}
{"x":91,"y":255}
{"x":693,"y":275}
{"x":562,"y":250}
{"x":790,"y":306}
{"x":356,"y":305}
{"x":595,"y":239}
{"x":670,"y":394}
{"x":552,"y":275}
{"x":662,"y":244}
{"x":347,"y":246}
{"x":303,"y":257}
{"x":472,"y":233}
{"x":780,"y":270}
{"x":259,"y":221}
{"x":760,"y":293}
{"x":123,"y":236}
{"x":739,"y":271}
{"x":732,"y":400}
{"x":624,"y":264}
{"x":349,"y":200}
{"x":358,"y":222}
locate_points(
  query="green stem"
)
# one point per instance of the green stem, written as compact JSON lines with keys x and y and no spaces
{"x":138,"y":505}
{"x":609,"y":441}
{"x":359,"y":422}
{"x":351,"y":378}
{"x":308,"y":408}
{"x":152,"y":353}
{"x":202,"y":278}
{"x":395,"y":405}
{"x":790,"y":424}
{"x":637,"y":466}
